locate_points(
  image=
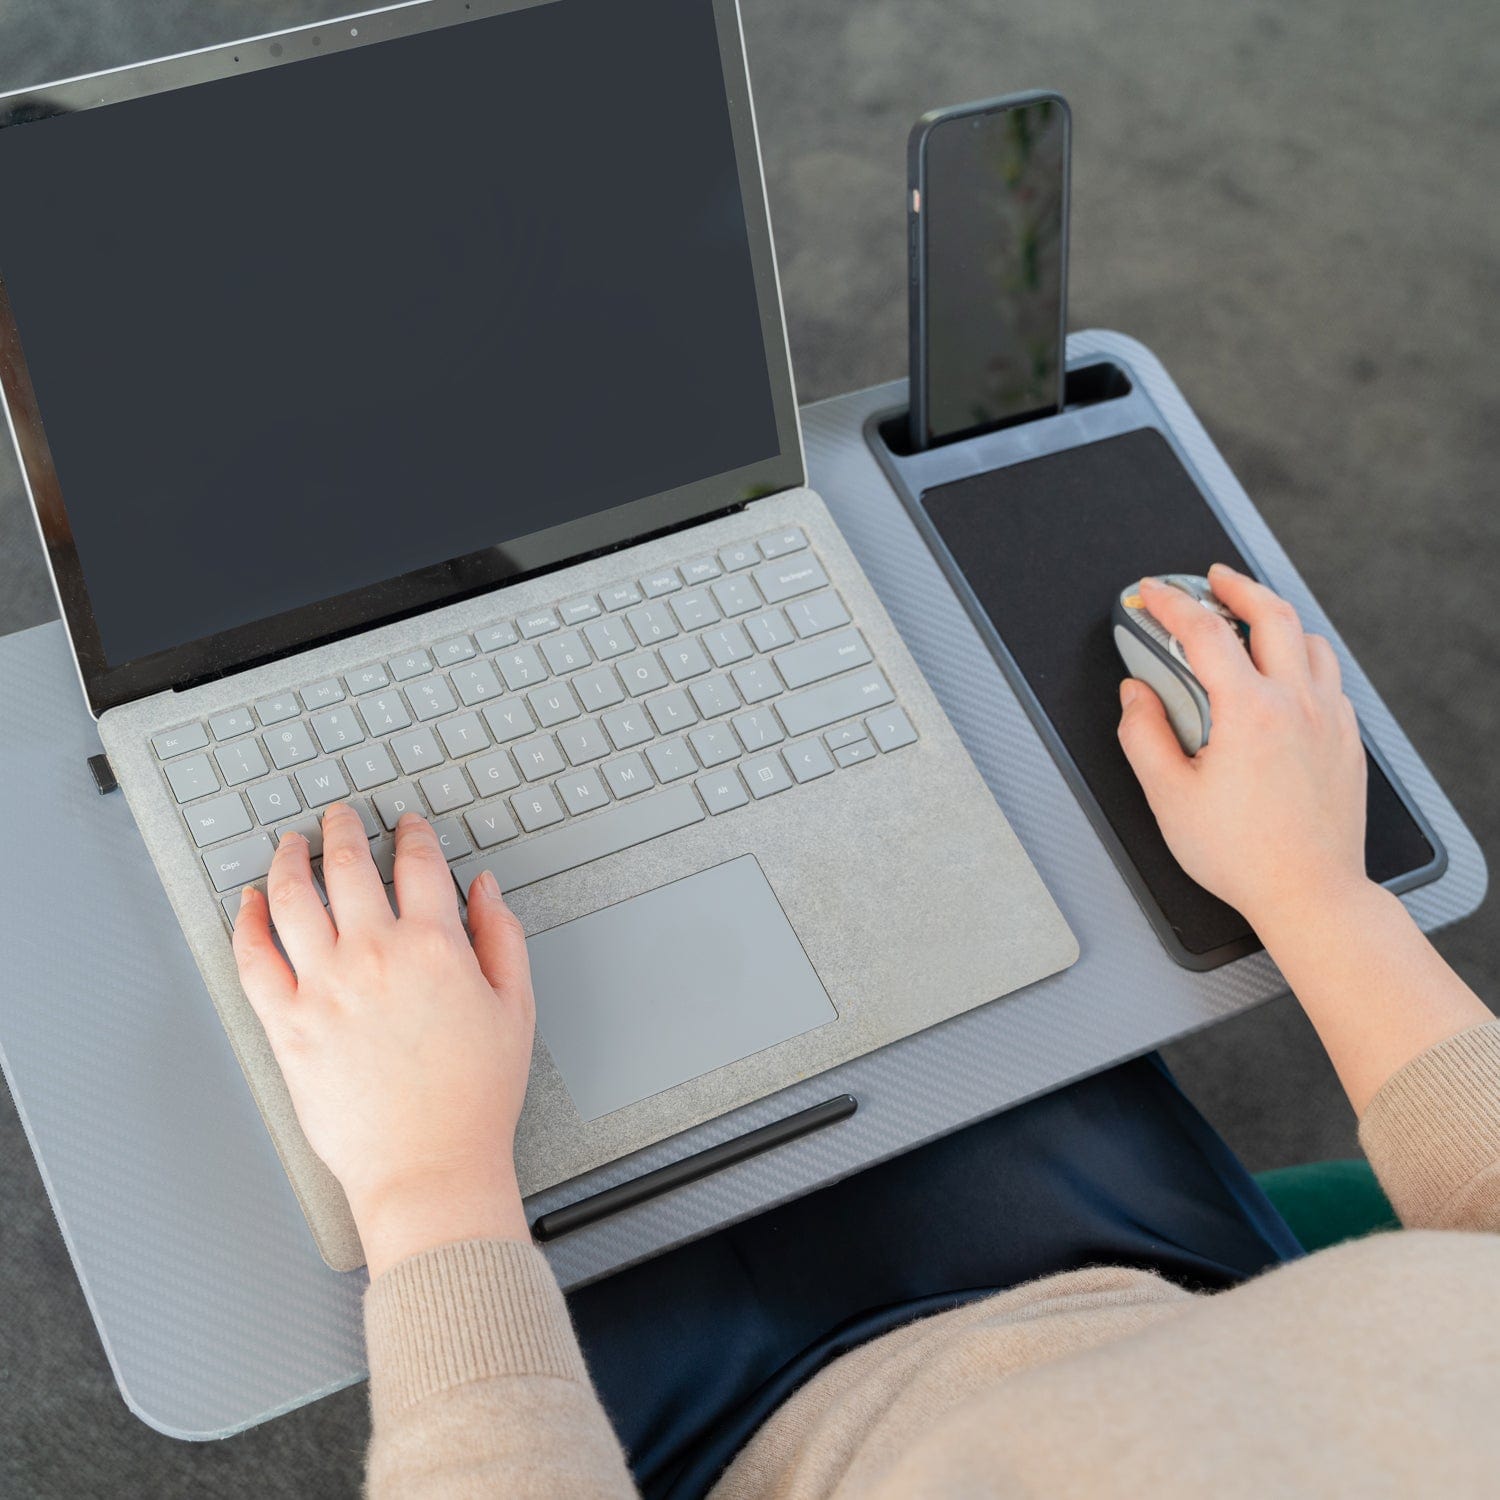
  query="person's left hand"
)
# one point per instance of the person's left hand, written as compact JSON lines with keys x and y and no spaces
{"x":405,"y":1047}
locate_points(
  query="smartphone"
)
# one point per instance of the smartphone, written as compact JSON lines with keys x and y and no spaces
{"x":988,"y":237}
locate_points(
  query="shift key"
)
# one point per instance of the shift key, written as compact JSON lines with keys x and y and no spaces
{"x":817,"y":707}
{"x":235,"y":864}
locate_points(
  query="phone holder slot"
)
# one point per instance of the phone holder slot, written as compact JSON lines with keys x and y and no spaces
{"x":1088,"y":385}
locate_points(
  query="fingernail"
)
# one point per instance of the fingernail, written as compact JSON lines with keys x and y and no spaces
{"x":1129,"y":691}
{"x":291,"y":834}
{"x":1225,"y":568}
{"x":489,"y":885}
{"x":408,"y":819}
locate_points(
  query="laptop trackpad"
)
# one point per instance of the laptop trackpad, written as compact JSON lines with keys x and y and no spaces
{"x":671,"y":984}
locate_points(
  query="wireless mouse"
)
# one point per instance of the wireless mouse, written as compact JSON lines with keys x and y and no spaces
{"x":1156,"y":657}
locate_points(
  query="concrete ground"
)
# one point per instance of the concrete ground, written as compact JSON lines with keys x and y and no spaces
{"x":1292,"y":204}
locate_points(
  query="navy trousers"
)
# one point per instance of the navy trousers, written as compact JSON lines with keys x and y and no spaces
{"x":692,"y":1351}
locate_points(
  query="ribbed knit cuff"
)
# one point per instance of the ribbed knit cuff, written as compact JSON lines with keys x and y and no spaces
{"x":465,"y":1312}
{"x":1434,"y":1126}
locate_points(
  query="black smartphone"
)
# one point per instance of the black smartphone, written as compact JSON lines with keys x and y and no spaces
{"x":988,"y":235}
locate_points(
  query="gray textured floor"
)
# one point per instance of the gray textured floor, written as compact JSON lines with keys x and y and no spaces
{"x":1292,"y":204}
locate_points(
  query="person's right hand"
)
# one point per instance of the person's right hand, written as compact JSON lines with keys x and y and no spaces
{"x":1270,"y":814}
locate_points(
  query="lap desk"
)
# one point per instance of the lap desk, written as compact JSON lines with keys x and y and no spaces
{"x":213,"y":1305}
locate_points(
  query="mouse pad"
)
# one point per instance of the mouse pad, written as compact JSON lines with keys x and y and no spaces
{"x":1045,"y":546}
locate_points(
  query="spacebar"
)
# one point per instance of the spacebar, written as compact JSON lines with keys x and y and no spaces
{"x":588,"y":839}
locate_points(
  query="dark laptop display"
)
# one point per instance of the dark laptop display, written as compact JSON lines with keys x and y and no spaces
{"x":342,"y":338}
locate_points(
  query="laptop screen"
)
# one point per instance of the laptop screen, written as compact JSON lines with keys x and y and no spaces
{"x":377,"y":321}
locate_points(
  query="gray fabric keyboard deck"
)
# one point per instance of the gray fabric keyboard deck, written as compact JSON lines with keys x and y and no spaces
{"x":213,"y":1304}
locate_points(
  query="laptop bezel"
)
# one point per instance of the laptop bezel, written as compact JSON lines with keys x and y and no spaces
{"x":105,"y":684}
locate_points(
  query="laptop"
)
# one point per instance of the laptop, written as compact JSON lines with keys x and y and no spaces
{"x":406,"y":409}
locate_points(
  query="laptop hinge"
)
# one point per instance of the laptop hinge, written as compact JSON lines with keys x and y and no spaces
{"x":426,"y":609}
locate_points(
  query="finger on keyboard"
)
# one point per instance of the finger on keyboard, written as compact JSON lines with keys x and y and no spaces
{"x":355,"y":890}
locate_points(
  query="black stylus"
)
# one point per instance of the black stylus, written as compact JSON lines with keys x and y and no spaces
{"x":678,"y":1174}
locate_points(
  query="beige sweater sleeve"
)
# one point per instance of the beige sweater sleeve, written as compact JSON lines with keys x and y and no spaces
{"x":477,"y":1385}
{"x":1432,"y":1133}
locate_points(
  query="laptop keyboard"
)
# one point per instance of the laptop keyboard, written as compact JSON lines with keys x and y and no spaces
{"x":556,"y":737}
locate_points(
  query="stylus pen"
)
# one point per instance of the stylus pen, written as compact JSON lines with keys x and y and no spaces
{"x":679,"y":1173}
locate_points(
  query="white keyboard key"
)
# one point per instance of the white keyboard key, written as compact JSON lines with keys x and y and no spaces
{"x":722,"y":792}
{"x":367,"y":679}
{"x":446,"y":789}
{"x":642,"y":674}
{"x":391,"y":802}
{"x":452,"y":651}
{"x":384,"y":713}
{"x":890,"y":728}
{"x":727,"y":645}
{"x":240,"y":762}
{"x":462,"y":735}
{"x":627,"y":775}
{"x":852,"y":755}
{"x":537,"y":622}
{"x":430,"y":697}
{"x":337,"y":728}
{"x":553,"y":705}
{"x":765,"y":775}
{"x":808,"y":760}
{"x":520,"y":667}
{"x":412,"y":664}
{"x":321,"y":694}
{"x":737,"y":596}
{"x":628,"y":726}
{"x":713,"y":696}
{"x":779,"y":543}
{"x":735,"y":558}
{"x":290,"y":745}
{"x":821,"y":612}
{"x":620,"y":595}
{"x":785,"y":579}
{"x":769,"y":630}
{"x":756,"y":681}
{"x":369,"y":766}
{"x":508,"y":719}
{"x":582,"y":792}
{"x":176,"y":741}
{"x":490,"y":825}
{"x":417,"y":751}
{"x":583,"y":742}
{"x":274,"y":800}
{"x":241,"y":862}
{"x":496,"y":637}
{"x":714,"y":744}
{"x":701,"y":570}
{"x":536,"y":808}
{"x":538,"y":758}
{"x":566,"y":652}
{"x":322,"y":783}
{"x":685,"y":659}
{"x":608,"y":638}
{"x":193,"y":777}
{"x":662,"y":581}
{"x":598,"y":689}
{"x":273,"y":710}
{"x":226,"y":725}
{"x":576,"y":611}
{"x":476,"y":683}
{"x":493,"y":773}
{"x":219,"y":819}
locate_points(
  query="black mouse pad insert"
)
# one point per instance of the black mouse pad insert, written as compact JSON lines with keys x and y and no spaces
{"x":1045,"y":546}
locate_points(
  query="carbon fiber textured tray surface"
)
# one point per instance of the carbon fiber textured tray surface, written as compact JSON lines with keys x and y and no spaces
{"x":212,"y":1302}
